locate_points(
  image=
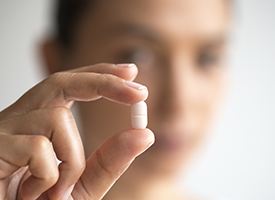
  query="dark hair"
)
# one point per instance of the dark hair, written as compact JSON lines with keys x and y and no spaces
{"x":67,"y":14}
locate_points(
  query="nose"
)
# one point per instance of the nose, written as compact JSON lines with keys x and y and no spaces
{"x":177,"y":89}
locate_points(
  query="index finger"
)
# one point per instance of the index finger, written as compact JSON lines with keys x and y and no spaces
{"x":63,"y":88}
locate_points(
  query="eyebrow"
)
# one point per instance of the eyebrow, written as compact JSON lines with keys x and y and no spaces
{"x":140,"y":31}
{"x":218,"y":41}
{"x":151,"y":35}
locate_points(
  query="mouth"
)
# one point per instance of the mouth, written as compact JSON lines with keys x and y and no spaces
{"x":170,"y":142}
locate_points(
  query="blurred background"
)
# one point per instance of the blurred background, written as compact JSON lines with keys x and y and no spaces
{"x":239,"y":160}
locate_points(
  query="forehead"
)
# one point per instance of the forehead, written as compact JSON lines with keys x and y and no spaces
{"x":167,"y":17}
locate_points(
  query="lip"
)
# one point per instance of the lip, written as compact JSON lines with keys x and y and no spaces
{"x":171,"y":142}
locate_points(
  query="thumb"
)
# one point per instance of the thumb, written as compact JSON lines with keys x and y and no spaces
{"x":109,"y":162}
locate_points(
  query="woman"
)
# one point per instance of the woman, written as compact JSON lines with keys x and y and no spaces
{"x":178,"y":48}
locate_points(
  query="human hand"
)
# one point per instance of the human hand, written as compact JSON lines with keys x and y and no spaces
{"x":40,"y":127}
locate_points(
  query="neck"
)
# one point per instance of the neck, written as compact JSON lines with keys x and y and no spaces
{"x":134,"y":186}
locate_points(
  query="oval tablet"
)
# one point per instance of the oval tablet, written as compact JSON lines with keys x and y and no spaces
{"x":139,"y":115}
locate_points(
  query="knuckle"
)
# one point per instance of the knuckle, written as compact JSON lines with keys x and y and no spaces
{"x":104,"y":81}
{"x":103,"y":166}
{"x":58,"y":78}
{"x":40,"y":144}
{"x":54,"y":78}
{"x":52,"y":177}
{"x":104,"y":65}
{"x":109,"y":77}
{"x":60,"y":114}
{"x":79,"y":166}
{"x":107,"y":81}
{"x":81,"y":163}
{"x":42,"y":148}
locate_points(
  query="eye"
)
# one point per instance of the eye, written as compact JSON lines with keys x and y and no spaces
{"x":209,"y":59}
{"x":140,"y":56}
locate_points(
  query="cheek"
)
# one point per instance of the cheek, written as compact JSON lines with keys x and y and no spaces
{"x":101,"y":119}
{"x":106,"y":115}
{"x":203,"y":110}
{"x":211,"y":94}
{"x":217,"y":89}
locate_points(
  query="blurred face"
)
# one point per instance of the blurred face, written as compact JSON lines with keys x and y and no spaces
{"x":178,"y":46}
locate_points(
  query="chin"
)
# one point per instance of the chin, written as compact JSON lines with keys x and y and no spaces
{"x":160,"y":163}
{"x":170,"y":155}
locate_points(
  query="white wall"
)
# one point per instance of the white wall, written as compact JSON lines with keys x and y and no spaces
{"x":239,"y":161}
{"x":21,"y":24}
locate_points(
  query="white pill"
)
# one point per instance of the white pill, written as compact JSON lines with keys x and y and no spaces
{"x":139,"y":115}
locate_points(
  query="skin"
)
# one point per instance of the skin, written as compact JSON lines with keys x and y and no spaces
{"x":178,"y":47}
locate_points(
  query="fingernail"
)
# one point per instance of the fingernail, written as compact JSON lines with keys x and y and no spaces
{"x":150,"y":140}
{"x":68,"y":193}
{"x":135,"y":85}
{"x":126,"y":65}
